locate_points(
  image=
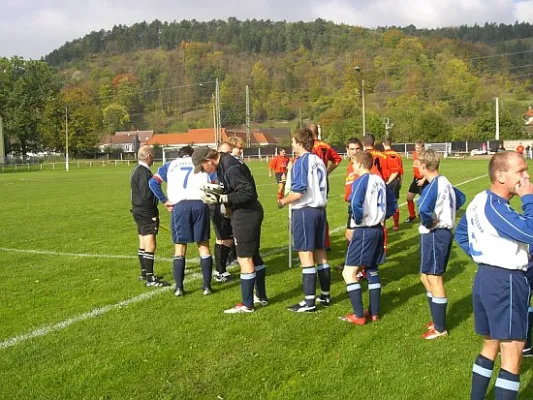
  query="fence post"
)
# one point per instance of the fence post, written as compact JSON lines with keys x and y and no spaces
{"x":116,"y":162}
{"x":466,"y":146}
{"x":78,"y":164}
{"x":90,"y":164}
{"x":28,"y":166}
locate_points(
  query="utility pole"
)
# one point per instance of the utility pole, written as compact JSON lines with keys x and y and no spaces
{"x":66,"y":138}
{"x":214,"y":117}
{"x":497,"y":119}
{"x":362,"y":94}
{"x":218,"y":133}
{"x":388,"y":126}
{"x":2,"y":150}
{"x":248,"y":133}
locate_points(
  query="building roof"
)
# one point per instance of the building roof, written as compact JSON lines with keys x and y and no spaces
{"x":529,"y":113}
{"x":194,"y":136}
{"x":144,"y":136}
{"x":111,"y":140}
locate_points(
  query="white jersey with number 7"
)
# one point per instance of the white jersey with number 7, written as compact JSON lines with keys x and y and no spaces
{"x":182,"y":182}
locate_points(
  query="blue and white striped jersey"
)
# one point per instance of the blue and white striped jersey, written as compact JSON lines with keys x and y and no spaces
{"x":371,"y":201}
{"x":182,"y":182}
{"x":492,"y":233}
{"x":437,"y":205}
{"x":308,"y":176}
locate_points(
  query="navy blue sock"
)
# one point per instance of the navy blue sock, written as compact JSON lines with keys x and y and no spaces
{"x":148,"y":263}
{"x":439,"y":313}
{"x":247,"y":289}
{"x":309,"y":285}
{"x":324,"y":277}
{"x":356,"y":298}
{"x":374,"y":292}
{"x":206,"y":264}
{"x":507,"y":386}
{"x":140,"y":253}
{"x":529,"y":325}
{"x":260,"y":281}
{"x":179,"y":270}
{"x":481,"y":374}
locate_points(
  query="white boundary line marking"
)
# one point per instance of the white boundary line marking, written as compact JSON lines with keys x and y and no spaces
{"x":95,"y":312}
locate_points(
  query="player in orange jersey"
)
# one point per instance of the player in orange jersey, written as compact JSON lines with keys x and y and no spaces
{"x":418,"y":184}
{"x":279,"y":165}
{"x":330,"y":158}
{"x":395,"y":181}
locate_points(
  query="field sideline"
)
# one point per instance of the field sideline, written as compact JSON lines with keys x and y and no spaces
{"x":76,"y":323}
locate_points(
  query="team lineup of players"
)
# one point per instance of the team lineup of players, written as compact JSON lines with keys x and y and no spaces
{"x":204,"y":184}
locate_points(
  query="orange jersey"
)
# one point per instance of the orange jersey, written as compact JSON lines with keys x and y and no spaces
{"x":350,"y":178}
{"x":520,"y":149}
{"x":416,"y":163}
{"x":326,"y":153}
{"x":395,"y":163}
{"x":379,"y":164}
{"x":279,"y":164}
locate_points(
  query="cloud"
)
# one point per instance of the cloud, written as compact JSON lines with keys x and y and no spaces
{"x":33,"y":28}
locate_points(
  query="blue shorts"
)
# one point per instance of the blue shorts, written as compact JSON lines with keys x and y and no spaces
{"x":366,"y":248}
{"x":501,"y":300}
{"x":309,"y":229}
{"x":435,"y":248}
{"x":190,"y":222}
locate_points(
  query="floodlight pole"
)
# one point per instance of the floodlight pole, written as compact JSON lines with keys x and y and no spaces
{"x":66,"y":138}
{"x":497,"y":119}
{"x":362,"y":94}
{"x":2,"y":149}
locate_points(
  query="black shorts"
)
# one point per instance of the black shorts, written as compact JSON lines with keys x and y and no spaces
{"x":147,"y":222}
{"x":395,"y":187}
{"x":414,"y":188}
{"x":246,"y":224}
{"x":279,"y":177}
{"x":221,"y":224}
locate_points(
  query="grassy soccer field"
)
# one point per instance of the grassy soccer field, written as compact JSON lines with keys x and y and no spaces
{"x":77,"y":324}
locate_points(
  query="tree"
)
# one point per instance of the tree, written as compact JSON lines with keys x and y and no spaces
{"x":116,"y":117}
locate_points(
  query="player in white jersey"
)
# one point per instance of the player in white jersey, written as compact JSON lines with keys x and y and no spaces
{"x":497,"y":237}
{"x":437,"y":206}
{"x":308,"y":197}
{"x":371,"y":203}
{"x":190,"y":216}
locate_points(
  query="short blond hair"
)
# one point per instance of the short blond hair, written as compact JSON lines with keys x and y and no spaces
{"x":145,"y":152}
{"x":236,"y":141}
{"x":364,"y":158}
{"x":430,"y":159}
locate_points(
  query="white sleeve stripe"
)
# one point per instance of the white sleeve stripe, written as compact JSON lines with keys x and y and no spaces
{"x":506,"y":221}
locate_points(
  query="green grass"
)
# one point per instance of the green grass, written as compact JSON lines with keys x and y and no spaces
{"x":186,"y":348}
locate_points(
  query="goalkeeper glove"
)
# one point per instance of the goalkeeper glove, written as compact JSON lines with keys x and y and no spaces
{"x":214,"y":198}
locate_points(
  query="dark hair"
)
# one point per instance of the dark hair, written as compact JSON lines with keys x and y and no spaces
{"x":368,"y":140}
{"x":387,"y":141}
{"x":304,"y":137}
{"x":364,"y":158}
{"x":353,"y":140}
{"x":185,"y":151}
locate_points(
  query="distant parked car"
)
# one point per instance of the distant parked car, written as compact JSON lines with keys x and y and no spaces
{"x":478,"y":152}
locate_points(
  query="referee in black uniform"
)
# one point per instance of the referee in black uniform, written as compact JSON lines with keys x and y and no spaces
{"x":239,"y":196}
{"x":146,"y":215}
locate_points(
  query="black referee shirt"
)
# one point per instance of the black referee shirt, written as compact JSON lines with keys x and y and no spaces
{"x":142,"y":198}
{"x":238,"y":182}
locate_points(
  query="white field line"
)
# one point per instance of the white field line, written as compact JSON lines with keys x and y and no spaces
{"x":45,"y":330}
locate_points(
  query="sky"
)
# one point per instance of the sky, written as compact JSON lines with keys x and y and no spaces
{"x":33,"y":28}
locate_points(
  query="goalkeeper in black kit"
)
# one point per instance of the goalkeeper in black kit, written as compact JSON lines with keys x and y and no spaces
{"x":238,"y":194}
